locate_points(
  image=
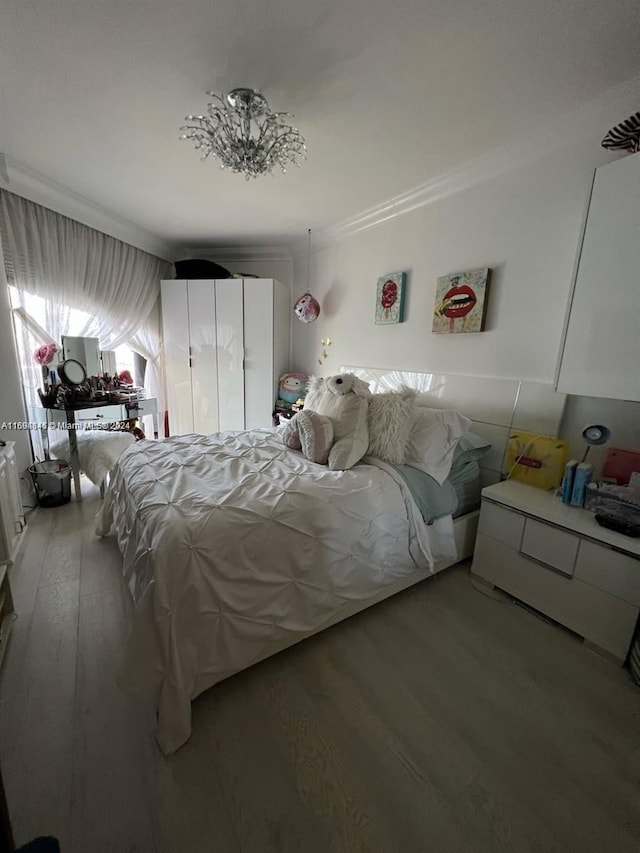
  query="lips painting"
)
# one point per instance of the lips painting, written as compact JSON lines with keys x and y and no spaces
{"x":458,"y":301}
{"x":461,"y":301}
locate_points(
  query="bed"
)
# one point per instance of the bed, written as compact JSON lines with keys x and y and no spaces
{"x":235,"y":547}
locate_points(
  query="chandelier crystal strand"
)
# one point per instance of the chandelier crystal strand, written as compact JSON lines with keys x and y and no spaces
{"x":244,"y":135}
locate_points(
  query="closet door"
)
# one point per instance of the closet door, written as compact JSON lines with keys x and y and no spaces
{"x":258,"y":346}
{"x":204,"y":359}
{"x":230,"y":350}
{"x":175,"y":325}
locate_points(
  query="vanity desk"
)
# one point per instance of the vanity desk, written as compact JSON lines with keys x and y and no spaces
{"x":91,"y":415}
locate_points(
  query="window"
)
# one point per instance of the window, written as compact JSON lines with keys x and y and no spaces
{"x":38,"y":321}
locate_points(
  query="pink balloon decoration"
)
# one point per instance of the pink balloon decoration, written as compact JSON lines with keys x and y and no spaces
{"x":307,"y":308}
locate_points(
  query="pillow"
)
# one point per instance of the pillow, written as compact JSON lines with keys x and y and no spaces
{"x":433,"y":440}
{"x":391,"y":417}
{"x":433,"y":500}
{"x":470,"y":448}
{"x":345,"y":402}
{"x":311,"y":433}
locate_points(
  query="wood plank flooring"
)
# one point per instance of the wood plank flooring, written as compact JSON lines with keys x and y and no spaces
{"x":440,"y":720}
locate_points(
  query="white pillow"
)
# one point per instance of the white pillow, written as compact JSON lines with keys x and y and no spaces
{"x":433,"y":440}
{"x":391,"y":418}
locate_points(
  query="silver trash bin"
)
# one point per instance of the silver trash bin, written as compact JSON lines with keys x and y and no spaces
{"x":52,"y":482}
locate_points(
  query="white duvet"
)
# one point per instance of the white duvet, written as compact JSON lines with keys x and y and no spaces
{"x":235,"y":546}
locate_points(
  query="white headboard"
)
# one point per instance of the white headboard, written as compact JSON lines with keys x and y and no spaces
{"x":497,"y":407}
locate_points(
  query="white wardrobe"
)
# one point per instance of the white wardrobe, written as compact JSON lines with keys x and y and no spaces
{"x":226,"y":343}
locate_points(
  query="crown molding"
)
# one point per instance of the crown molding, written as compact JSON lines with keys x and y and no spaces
{"x":238,"y":253}
{"x":18,"y":178}
{"x":608,"y":108}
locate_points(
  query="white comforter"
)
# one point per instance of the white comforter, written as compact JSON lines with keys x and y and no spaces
{"x":235,"y":546}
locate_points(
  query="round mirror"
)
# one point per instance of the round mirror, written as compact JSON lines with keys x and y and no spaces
{"x":72,"y":372}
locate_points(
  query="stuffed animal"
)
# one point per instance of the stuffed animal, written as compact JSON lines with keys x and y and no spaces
{"x":292,"y":387}
{"x":347,"y":383}
{"x":344,"y":399}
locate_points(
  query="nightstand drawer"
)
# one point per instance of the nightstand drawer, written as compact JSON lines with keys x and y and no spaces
{"x":597,"y":616}
{"x":501,"y":524}
{"x":610,"y":570}
{"x":549,"y":545}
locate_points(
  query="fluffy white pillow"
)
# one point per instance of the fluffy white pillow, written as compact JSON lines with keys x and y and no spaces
{"x":391,"y":418}
{"x":433,"y":440}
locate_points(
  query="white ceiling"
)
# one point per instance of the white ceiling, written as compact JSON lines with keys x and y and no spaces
{"x":388,"y":96}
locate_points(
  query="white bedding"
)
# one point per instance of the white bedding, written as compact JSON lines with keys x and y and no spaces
{"x":234,"y":546}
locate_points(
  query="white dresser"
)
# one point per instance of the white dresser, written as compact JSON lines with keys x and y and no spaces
{"x":12,"y":521}
{"x":560,"y":561}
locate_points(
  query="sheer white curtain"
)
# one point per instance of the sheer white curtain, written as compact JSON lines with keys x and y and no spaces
{"x":71,"y":279}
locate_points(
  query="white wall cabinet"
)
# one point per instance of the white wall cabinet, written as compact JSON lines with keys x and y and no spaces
{"x":226,"y":343}
{"x":12,"y":520}
{"x":600,"y":355}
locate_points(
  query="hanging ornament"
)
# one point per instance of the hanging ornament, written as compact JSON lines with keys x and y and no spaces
{"x":307,"y":308}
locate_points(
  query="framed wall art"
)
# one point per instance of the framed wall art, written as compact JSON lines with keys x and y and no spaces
{"x":461,"y":302}
{"x":390,"y":298}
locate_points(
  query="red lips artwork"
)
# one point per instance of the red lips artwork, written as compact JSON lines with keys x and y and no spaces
{"x":461,"y":302}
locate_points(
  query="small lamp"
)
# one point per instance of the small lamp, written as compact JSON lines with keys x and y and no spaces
{"x":595,"y":435}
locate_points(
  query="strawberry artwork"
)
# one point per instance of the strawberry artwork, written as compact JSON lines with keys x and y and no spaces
{"x":389,"y":296}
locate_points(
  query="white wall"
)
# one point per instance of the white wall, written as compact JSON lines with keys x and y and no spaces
{"x":525,"y":225}
{"x":281,"y":270}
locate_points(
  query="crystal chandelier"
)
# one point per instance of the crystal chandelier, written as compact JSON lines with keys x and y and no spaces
{"x":245,"y":136}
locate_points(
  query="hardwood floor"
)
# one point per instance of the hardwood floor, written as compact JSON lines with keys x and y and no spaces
{"x":440,"y":720}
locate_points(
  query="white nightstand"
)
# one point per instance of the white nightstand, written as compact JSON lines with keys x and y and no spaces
{"x":559,"y":560}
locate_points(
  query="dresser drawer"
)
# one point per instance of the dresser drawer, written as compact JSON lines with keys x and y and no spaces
{"x":599,"y":617}
{"x":142,"y":408}
{"x":549,"y":545}
{"x":609,"y":570}
{"x":101,"y":414}
{"x":501,"y":524}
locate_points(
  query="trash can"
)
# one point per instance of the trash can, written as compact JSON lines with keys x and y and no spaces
{"x":52,"y":482}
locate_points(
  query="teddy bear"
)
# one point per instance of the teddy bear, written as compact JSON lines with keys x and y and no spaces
{"x":344,"y":399}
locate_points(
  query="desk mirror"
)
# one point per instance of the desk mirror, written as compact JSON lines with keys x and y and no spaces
{"x":84,"y":350}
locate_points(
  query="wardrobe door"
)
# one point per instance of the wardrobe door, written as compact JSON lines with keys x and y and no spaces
{"x":230,"y":349}
{"x":204,"y":358}
{"x":175,"y":326}
{"x":259,"y":393}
